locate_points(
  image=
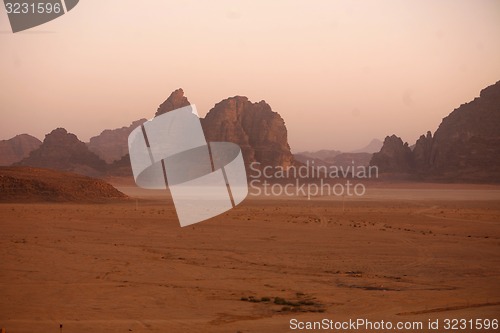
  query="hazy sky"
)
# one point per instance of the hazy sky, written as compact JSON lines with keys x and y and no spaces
{"x":339,"y":72}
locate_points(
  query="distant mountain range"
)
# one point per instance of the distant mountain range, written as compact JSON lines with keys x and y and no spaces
{"x":466,"y":146}
{"x":324,"y":157}
{"x":373,"y":147}
{"x":260,"y":132}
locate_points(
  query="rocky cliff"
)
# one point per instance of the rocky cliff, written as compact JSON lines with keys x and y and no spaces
{"x":176,"y":100}
{"x":17,"y":148}
{"x":255,"y":127}
{"x":467,"y":143}
{"x":112,"y":145}
{"x":465,"y":147}
{"x":394,"y":156}
{"x":63,"y":151}
{"x":259,"y":131}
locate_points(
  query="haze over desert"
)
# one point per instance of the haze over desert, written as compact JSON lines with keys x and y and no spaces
{"x":403,"y":253}
{"x":250,"y":167}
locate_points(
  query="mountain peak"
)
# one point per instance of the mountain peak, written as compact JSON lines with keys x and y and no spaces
{"x":174,"y":101}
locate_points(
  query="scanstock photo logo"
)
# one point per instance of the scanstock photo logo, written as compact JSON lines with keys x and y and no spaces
{"x":204,"y":179}
{"x":26,"y":14}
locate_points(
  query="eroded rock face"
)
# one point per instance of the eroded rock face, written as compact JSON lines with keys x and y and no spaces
{"x":112,"y":145}
{"x":422,"y":153}
{"x":260,"y":132}
{"x":465,"y":147}
{"x":467,"y":143}
{"x":17,"y":148}
{"x":176,"y":100}
{"x":63,"y":151}
{"x":394,"y":156}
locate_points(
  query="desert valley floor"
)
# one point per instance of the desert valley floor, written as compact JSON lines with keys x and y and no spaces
{"x":401,"y":253}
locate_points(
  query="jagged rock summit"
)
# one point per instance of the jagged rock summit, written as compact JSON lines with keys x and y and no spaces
{"x":260,"y":132}
{"x":255,"y":127}
{"x":394,"y":156}
{"x":176,"y":100}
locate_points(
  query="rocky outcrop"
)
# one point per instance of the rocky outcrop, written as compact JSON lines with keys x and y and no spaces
{"x":422,"y":153}
{"x":63,"y":151}
{"x":26,"y":184}
{"x":394,"y":156}
{"x":176,"y":100}
{"x":112,"y":145}
{"x":467,"y":143}
{"x":260,"y":132}
{"x":465,"y":147}
{"x":17,"y":148}
{"x":121,"y":167}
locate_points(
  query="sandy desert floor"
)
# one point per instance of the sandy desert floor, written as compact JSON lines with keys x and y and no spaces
{"x":398,"y":254}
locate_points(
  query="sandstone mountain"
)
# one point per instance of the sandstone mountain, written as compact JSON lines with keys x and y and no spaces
{"x":17,"y":148}
{"x":63,"y":151}
{"x":255,"y":127}
{"x":260,"y":132}
{"x":25,"y":184}
{"x":176,"y":100}
{"x":465,"y":147}
{"x":394,"y":156}
{"x":112,"y":145}
{"x":467,"y":143}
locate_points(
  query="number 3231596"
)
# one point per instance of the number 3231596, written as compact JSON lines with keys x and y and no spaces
{"x":33,"y":8}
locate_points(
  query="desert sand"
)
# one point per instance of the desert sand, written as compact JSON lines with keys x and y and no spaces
{"x":408,"y":252}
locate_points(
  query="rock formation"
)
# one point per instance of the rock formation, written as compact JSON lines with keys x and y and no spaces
{"x":176,"y":100}
{"x":61,"y":150}
{"x":260,"y":132}
{"x":467,"y":143}
{"x":25,"y":184}
{"x":121,"y":167}
{"x":112,"y":145}
{"x":17,"y":148}
{"x":394,"y":156}
{"x":422,"y":153}
{"x":465,"y":147}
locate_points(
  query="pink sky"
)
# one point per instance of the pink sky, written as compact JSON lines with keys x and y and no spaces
{"x":339,"y":72}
